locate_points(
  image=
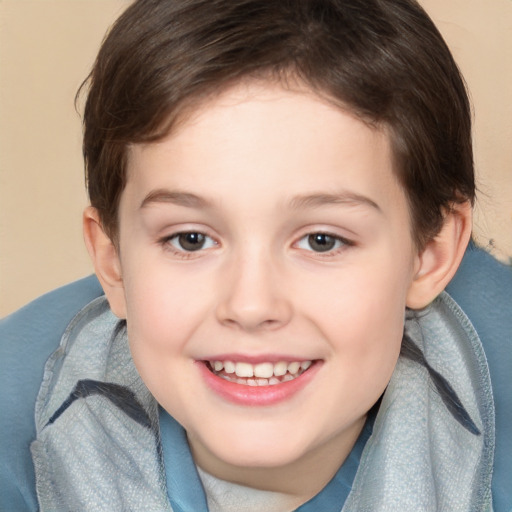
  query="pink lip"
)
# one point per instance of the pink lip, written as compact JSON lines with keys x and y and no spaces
{"x":253,"y":396}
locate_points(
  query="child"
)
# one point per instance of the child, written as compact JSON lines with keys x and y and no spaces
{"x":280,"y":192}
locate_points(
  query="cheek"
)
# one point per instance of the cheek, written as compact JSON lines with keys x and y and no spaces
{"x":162,"y":314}
{"x":362,"y":317}
{"x":364,"y":299}
{"x":159,"y":323}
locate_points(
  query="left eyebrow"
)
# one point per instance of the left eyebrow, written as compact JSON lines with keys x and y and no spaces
{"x":176,"y":197}
{"x":344,"y":198}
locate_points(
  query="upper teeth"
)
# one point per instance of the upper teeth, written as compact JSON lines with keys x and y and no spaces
{"x":261,"y":370}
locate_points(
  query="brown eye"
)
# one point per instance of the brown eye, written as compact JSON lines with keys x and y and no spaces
{"x":320,"y":242}
{"x":191,"y":241}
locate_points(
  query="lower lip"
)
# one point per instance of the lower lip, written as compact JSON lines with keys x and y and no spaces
{"x":253,"y":396}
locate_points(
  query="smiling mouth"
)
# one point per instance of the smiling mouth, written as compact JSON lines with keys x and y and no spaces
{"x":261,"y":374}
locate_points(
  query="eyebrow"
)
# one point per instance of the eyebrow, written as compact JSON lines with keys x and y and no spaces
{"x":344,"y":198}
{"x":190,"y":200}
{"x":175,"y":197}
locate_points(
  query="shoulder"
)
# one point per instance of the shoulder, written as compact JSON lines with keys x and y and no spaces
{"x":483,"y":289}
{"x":27,"y":338}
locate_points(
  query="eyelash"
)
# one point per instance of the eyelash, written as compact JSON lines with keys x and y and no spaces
{"x":167,"y":243}
{"x":340,"y":243}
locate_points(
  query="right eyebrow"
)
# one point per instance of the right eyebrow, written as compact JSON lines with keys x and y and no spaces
{"x":176,"y":197}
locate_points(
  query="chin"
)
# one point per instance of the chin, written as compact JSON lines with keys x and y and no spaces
{"x":257,"y":447}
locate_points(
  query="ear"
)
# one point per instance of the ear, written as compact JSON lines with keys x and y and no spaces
{"x":105,"y":258}
{"x":440,"y":258}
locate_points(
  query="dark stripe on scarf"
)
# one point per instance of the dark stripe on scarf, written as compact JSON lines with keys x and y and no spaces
{"x":120,"y":396}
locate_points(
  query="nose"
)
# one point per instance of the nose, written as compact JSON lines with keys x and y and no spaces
{"x":253,"y":295}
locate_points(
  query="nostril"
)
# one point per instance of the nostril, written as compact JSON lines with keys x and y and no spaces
{"x":248,"y":324}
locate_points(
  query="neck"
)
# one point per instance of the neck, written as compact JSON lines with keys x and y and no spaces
{"x":300,"y":479}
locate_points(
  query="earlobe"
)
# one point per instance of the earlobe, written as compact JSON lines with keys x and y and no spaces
{"x":105,"y":258}
{"x":439,"y":260}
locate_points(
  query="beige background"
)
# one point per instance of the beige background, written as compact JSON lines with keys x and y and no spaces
{"x":46,"y":50}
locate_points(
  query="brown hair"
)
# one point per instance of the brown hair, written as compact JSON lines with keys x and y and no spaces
{"x":384,"y":60}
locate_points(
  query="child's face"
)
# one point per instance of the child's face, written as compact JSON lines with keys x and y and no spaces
{"x":295,"y":247}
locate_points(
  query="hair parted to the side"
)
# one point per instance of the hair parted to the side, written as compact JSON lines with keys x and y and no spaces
{"x":383,"y":60}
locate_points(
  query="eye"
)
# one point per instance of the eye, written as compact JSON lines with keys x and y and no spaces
{"x":190,"y":241}
{"x":321,"y":242}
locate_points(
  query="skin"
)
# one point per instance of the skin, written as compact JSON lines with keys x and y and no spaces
{"x":256,"y":170}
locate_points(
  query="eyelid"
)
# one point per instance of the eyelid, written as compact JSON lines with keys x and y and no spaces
{"x":166,"y":242}
{"x":344,"y":241}
{"x":178,"y":235}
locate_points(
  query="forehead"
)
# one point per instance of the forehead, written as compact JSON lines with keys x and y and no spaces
{"x":262,"y":138}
